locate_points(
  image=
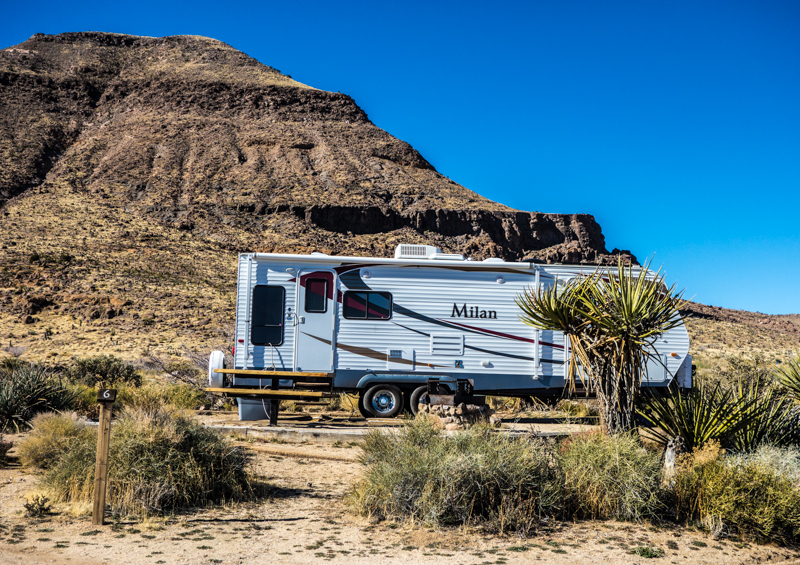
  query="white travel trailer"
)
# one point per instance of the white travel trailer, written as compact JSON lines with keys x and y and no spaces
{"x":384,"y":327}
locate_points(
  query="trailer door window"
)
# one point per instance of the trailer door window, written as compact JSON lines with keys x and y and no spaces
{"x":316,"y":296}
{"x":367,"y":305}
{"x":267,"y":321}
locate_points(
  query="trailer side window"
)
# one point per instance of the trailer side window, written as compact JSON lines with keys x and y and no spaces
{"x":267,"y":322}
{"x":316,"y":296}
{"x":367,"y":305}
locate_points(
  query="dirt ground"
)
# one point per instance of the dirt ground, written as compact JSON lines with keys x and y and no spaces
{"x":306,"y":520}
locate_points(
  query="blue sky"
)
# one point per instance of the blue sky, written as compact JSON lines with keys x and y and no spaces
{"x":676,"y":124}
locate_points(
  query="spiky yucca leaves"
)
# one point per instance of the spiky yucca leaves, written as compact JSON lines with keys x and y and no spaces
{"x":612,"y":319}
{"x":27,"y":390}
{"x":788,"y":375}
{"x":704,"y":414}
{"x":741,"y":418}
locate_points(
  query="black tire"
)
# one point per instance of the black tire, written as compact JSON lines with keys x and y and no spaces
{"x":419,"y":395}
{"x":362,"y":408}
{"x":384,"y":401}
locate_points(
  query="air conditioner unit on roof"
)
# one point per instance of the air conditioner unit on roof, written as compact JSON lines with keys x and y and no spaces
{"x":411,"y":251}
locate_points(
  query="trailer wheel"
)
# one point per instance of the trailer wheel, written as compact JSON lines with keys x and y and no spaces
{"x":419,"y":395}
{"x":384,"y":401}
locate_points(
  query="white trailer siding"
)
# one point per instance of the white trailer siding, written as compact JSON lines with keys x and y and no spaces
{"x":439,"y":302}
{"x":449,"y":319}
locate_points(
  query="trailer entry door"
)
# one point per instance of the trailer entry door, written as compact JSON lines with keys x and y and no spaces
{"x":316,"y":311}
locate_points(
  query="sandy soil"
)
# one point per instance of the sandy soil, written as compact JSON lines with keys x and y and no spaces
{"x":306,"y":521}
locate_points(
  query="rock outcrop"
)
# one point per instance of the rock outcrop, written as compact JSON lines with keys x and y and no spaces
{"x":192,"y":133}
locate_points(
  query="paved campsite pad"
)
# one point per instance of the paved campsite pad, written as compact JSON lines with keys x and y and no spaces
{"x":306,"y":521}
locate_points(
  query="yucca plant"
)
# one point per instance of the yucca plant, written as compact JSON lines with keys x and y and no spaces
{"x":788,"y":375}
{"x":611,"y":319}
{"x":772,"y":418}
{"x":28,"y":390}
{"x":705,"y":413}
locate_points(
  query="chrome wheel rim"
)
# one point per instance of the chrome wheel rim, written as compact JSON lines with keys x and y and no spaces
{"x":384,"y":402}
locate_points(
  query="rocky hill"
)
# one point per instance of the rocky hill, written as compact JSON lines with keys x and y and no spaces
{"x":132,"y":169}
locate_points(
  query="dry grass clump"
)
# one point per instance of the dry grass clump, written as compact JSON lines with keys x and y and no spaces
{"x":52,"y":435}
{"x":159,"y":460}
{"x":738,"y":495}
{"x":474,"y":476}
{"x":148,"y":397}
{"x":610,"y":477}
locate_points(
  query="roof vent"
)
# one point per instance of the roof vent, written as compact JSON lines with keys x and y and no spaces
{"x":410,"y":251}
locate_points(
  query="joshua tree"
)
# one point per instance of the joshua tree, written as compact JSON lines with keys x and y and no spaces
{"x":611,"y":318}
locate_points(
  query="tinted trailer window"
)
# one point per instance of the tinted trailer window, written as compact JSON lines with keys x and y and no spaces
{"x":268,"y":306}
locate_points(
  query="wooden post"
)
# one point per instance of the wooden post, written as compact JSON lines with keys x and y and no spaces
{"x":106,"y":399}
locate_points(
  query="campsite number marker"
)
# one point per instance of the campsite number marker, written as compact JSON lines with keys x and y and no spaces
{"x":105,"y":397}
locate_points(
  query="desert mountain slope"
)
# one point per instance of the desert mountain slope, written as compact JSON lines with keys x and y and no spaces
{"x":132,"y":169}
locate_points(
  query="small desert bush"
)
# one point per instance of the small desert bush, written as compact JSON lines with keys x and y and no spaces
{"x":610,"y":477}
{"x":783,"y":461}
{"x":27,"y":390}
{"x":506,"y":483}
{"x":736,"y":495}
{"x":158,"y":461}
{"x":105,"y":371}
{"x":149,"y":397}
{"x":52,"y":435}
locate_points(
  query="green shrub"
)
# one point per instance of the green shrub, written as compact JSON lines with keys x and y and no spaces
{"x":473,"y":476}
{"x":610,"y":477}
{"x":52,"y":435}
{"x":737,"y":495}
{"x":104,"y":371}
{"x":28,"y":390}
{"x":158,"y":461}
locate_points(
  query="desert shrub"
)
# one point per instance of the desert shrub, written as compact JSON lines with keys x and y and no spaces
{"x":157,"y":395}
{"x":474,"y":476}
{"x":158,"y":461}
{"x":739,"y":369}
{"x":150,"y":396}
{"x":104,"y":370}
{"x":736,"y":495}
{"x":610,"y":477}
{"x":52,"y":435}
{"x":783,"y":461}
{"x":28,"y":390}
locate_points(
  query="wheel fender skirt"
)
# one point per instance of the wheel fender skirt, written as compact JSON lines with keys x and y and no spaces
{"x":371,"y":379}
